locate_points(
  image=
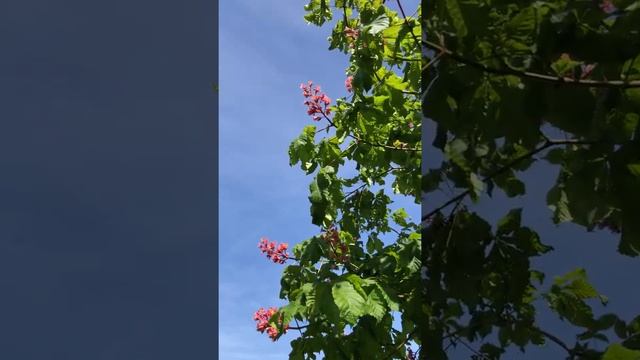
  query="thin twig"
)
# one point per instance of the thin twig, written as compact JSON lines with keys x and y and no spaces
{"x":621,"y":84}
{"x":299,"y":328}
{"x":404,"y":58}
{"x":432,"y":61}
{"x":464,"y":343}
{"x":358,"y":139}
{"x":556,"y":340}
{"x":547,"y":144}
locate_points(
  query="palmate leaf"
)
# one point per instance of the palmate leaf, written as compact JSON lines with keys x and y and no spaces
{"x":324,"y":304}
{"x":567,"y":297}
{"x":375,"y":304}
{"x":577,"y":284}
{"x":349,"y":301}
{"x":318,"y":203}
{"x":378,"y":24}
{"x":302,"y":150}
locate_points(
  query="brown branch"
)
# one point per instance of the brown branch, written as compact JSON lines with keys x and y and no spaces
{"x":324,"y":129}
{"x":620,"y":84}
{"x":547,"y":144}
{"x":404,"y":58}
{"x":469,"y":347}
{"x":299,"y":328}
{"x":556,"y":340}
{"x":432,"y":61}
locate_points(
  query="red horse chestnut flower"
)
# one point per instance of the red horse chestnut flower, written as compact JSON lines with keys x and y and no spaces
{"x":338,"y":250}
{"x":347,"y":83}
{"x":263,"y":316}
{"x":276,"y":253}
{"x":351,"y":33}
{"x":317,"y":102}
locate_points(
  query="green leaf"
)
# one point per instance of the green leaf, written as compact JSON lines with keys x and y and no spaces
{"x":510,"y":222}
{"x":477,"y":186}
{"x":455,"y":13}
{"x":318,"y":11}
{"x":324,"y":303}
{"x":558,"y":203}
{"x":350,"y":303}
{"x":619,"y":352}
{"x":378,"y":24}
{"x":555,"y":156}
{"x":318,"y":203}
{"x":454,"y":151}
{"x":287,"y":312}
{"x":634,"y":169}
{"x":302,"y":150}
{"x":375,"y":305}
{"x":576,"y":282}
{"x":565,"y":65}
{"x":400,"y":217}
{"x":511,"y":185}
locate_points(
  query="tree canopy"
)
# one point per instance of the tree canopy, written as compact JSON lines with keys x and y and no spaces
{"x":507,"y":83}
{"x":503,"y":84}
{"x":346,"y":285}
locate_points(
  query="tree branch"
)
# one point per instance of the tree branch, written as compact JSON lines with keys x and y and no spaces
{"x":547,"y":144}
{"x":358,"y":139}
{"x":404,"y":58}
{"x":299,"y":327}
{"x":620,"y":84}
{"x":556,"y":340}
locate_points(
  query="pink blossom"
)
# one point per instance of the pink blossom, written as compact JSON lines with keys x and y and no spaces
{"x":263,"y":316}
{"x":347,"y":83}
{"x":351,"y":33}
{"x":608,"y":7}
{"x":317,"y":102}
{"x":278,"y":254}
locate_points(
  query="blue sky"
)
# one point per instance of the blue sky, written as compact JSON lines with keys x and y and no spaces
{"x":266,"y":51}
{"x":107,"y":147}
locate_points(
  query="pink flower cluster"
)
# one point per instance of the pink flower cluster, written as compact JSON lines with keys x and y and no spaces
{"x":278,"y":254}
{"x":262,"y":316}
{"x":347,"y":83}
{"x":317,"y":102}
{"x":338,"y":249}
{"x":607,"y":7}
{"x":351,"y":34}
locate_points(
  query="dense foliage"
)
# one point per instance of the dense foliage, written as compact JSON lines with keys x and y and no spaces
{"x":505,"y":83}
{"x":345,"y":286}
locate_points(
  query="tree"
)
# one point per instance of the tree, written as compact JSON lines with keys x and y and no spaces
{"x":346,"y":285}
{"x":506,"y":83}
